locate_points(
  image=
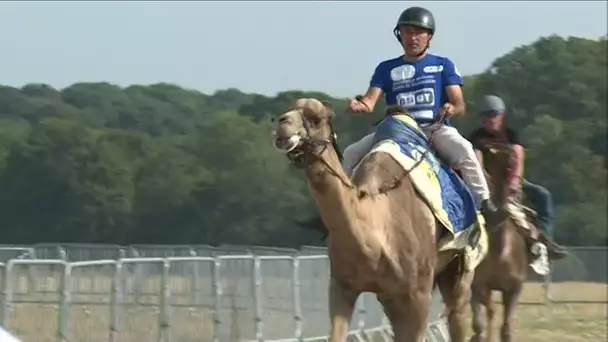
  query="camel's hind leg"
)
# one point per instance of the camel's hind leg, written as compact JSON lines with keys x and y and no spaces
{"x":409,"y":316}
{"x":455,"y":286}
{"x":482,"y":297}
{"x":342,"y":301}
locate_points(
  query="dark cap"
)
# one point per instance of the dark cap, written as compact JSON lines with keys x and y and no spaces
{"x":492,"y":105}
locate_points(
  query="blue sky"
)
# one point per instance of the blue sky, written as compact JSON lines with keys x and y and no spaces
{"x":261,"y":47}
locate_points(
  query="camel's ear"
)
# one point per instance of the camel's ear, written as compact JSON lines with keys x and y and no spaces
{"x":329,"y":111}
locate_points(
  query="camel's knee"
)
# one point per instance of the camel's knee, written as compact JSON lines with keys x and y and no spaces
{"x":455,"y":285}
{"x":409,"y":316}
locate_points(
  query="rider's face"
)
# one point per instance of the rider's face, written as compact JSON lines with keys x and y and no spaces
{"x":493,"y":123}
{"x":414,"y":39}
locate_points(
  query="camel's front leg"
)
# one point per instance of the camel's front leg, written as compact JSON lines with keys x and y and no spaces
{"x":342,"y":301}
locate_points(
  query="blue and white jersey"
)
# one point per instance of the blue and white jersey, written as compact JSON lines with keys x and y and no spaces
{"x":418,"y":87}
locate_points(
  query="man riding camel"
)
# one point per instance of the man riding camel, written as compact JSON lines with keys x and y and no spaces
{"x":495,"y":131}
{"x":429,"y":88}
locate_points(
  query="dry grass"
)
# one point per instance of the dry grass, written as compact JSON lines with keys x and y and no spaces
{"x":572,"y":321}
{"x":89,"y":320}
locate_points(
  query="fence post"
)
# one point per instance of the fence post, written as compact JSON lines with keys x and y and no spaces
{"x":7,"y":288}
{"x":116,"y":302}
{"x":297,"y":303}
{"x":64,"y":304}
{"x":164,"y":331}
{"x":257,"y":298}
{"x":361,"y":312}
{"x":195,"y":280}
{"x":217,"y":290}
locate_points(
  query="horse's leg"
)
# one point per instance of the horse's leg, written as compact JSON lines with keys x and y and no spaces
{"x":342,"y":301}
{"x":409,"y":316}
{"x":455,"y":287}
{"x":482,"y":297}
{"x":509,"y":303}
{"x":477,"y":319}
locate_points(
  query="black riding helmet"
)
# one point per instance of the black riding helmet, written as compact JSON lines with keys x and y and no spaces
{"x":417,"y":17}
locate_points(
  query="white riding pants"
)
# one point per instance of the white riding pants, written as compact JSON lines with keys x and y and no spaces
{"x":449,"y":143}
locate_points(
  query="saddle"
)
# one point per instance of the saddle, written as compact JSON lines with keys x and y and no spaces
{"x":396,"y":110}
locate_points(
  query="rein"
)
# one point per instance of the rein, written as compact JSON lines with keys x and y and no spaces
{"x":310,"y":144}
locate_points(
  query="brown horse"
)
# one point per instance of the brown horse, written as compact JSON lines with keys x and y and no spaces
{"x":505,"y":268}
{"x":383,"y":237}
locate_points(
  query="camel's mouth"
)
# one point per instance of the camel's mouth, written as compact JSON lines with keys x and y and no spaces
{"x":287,"y":144}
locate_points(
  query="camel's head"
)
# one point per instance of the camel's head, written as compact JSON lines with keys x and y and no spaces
{"x":305,"y":129}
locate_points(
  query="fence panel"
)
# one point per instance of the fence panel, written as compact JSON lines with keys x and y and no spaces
{"x":90,"y":285}
{"x":177,"y":295}
{"x":35,"y":296}
{"x":582,"y":277}
{"x":277,"y":297}
{"x":191,"y":299}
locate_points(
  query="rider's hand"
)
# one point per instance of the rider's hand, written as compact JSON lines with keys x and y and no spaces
{"x":448,"y":110}
{"x":357,"y":106}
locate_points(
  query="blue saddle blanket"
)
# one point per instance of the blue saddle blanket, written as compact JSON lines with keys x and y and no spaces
{"x":457,"y":199}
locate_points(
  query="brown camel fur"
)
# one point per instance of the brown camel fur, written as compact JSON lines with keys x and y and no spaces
{"x":505,"y":267}
{"x":382,"y":235}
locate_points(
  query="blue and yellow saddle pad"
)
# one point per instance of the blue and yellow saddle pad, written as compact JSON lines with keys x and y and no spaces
{"x":457,"y":199}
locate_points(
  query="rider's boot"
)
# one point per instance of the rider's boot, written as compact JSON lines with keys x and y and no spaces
{"x":491,"y":213}
{"x":543,"y":249}
{"x":540,"y":262}
{"x":555,"y":250}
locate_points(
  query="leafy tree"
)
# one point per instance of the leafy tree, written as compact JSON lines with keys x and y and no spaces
{"x":95,"y":162}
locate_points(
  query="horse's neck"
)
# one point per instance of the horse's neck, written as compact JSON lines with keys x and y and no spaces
{"x":337,"y":201}
{"x":498,"y":189}
{"x":506,"y":242}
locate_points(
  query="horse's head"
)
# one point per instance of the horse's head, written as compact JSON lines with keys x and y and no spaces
{"x":497,"y":160}
{"x":305,"y":130}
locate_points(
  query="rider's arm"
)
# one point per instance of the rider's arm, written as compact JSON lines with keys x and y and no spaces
{"x":453,"y":87}
{"x":371,"y":97}
{"x":519,"y":157}
{"x":376,"y":87}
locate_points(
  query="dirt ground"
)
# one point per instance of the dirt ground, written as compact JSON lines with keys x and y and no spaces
{"x":568,"y":319}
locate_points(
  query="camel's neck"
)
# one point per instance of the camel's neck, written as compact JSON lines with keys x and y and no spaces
{"x":336,"y":198}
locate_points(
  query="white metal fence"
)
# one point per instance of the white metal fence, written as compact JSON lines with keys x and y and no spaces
{"x":161,"y":297}
{"x":194,"y":293}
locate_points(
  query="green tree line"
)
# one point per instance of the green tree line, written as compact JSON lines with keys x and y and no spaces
{"x":95,"y":162}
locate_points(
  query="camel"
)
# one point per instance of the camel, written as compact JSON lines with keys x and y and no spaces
{"x":505,"y":268}
{"x":382,"y":236}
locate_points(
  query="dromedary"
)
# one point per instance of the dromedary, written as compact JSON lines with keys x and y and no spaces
{"x":505,"y":268}
{"x":383,"y":237}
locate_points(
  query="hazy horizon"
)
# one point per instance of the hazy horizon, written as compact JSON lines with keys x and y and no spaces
{"x":261,"y":47}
